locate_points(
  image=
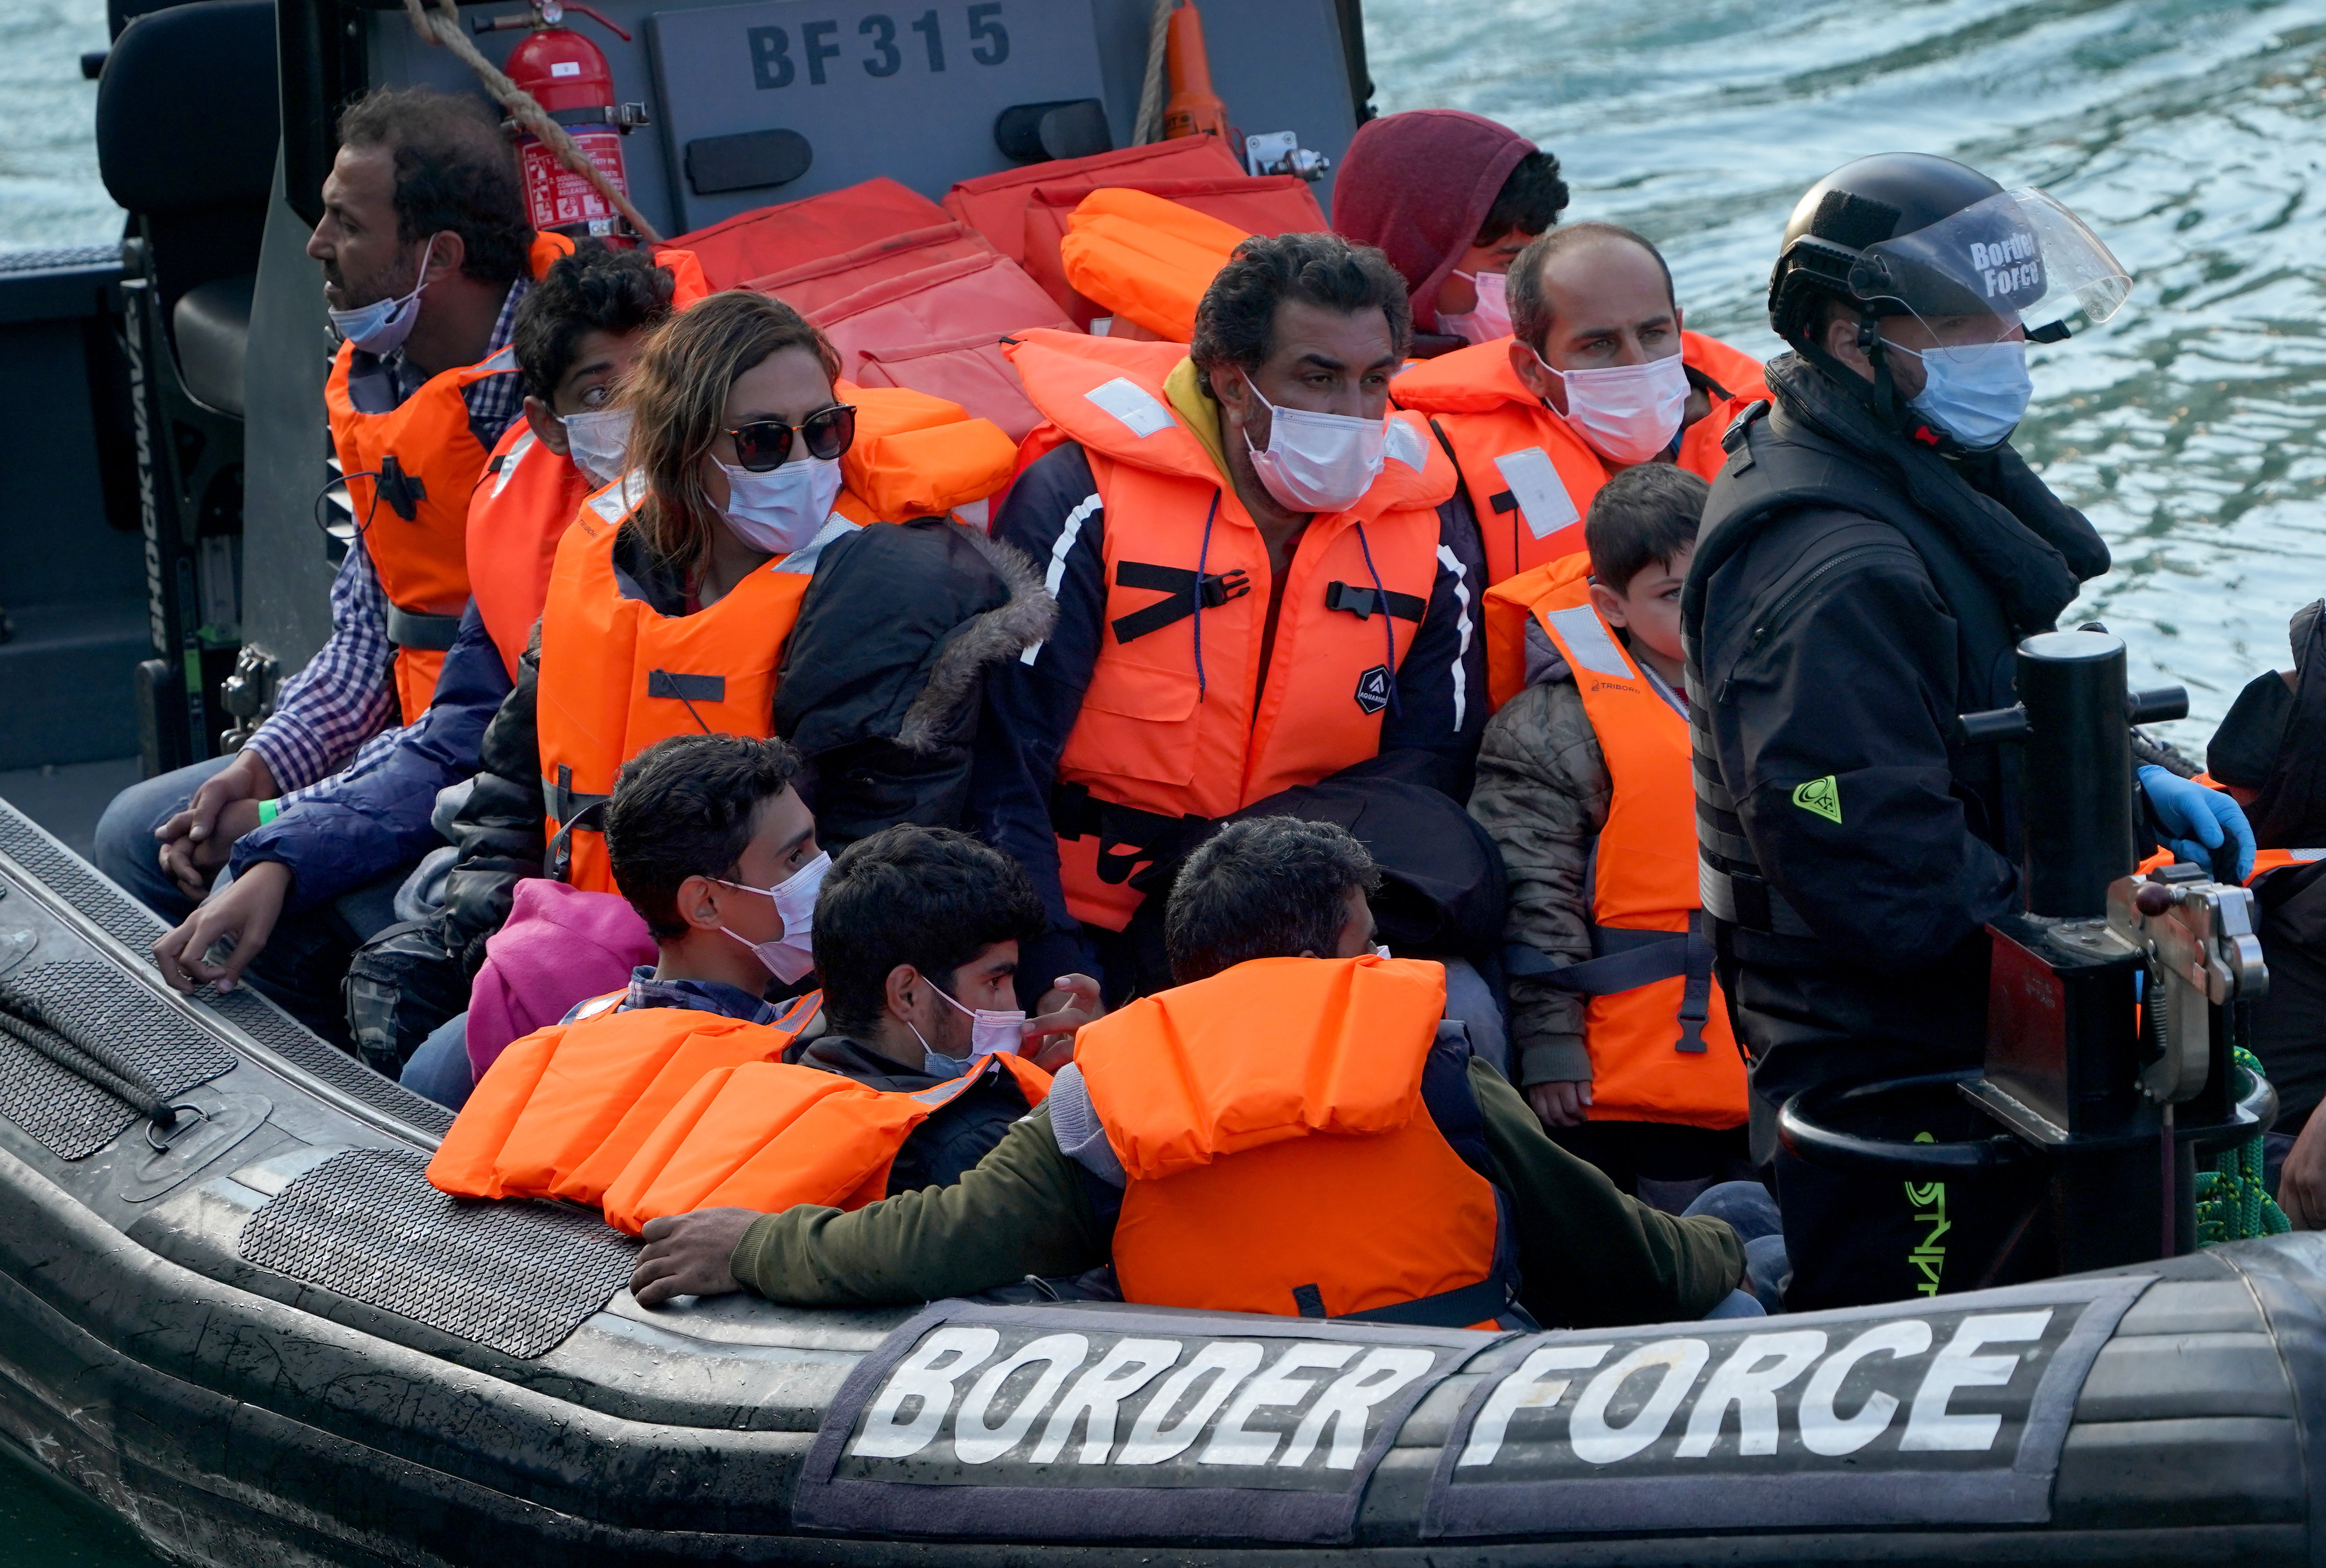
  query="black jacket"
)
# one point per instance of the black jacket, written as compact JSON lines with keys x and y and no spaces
{"x":1852,"y":591}
{"x":954,"y":1137}
{"x":878,"y":688}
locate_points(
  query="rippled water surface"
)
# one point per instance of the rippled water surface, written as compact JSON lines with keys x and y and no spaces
{"x":49,"y":194}
{"x":2187,"y":133}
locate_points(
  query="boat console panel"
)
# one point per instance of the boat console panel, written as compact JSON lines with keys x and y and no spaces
{"x":912,"y":92}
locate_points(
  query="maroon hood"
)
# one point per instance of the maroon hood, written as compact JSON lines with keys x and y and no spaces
{"x":1418,"y":185}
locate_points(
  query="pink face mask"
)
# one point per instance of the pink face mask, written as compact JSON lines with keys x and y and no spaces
{"x":1628,"y":413}
{"x":1490,"y":319}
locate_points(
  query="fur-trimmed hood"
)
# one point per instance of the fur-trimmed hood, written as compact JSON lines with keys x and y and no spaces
{"x":1005,"y":632}
{"x":896,"y":633}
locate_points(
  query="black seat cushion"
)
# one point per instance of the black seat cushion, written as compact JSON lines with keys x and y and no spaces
{"x":212,"y":325}
{"x":187,"y":113}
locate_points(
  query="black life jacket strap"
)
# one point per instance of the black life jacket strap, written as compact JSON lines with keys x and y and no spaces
{"x":1217,"y":589}
{"x":1361,"y":602}
{"x":1448,"y":1309}
{"x":1126,"y":836}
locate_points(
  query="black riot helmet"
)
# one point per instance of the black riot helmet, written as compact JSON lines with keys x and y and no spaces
{"x":1910,"y":234}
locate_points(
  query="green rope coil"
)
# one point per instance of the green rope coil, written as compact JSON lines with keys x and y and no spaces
{"x":2232,"y":1203}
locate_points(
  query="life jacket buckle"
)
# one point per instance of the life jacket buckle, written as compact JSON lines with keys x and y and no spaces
{"x":1364,"y":602}
{"x":403,"y":492}
{"x":1359,"y":602}
{"x":1219,"y":588}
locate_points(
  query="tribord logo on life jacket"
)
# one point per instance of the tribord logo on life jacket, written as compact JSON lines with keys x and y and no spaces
{"x":1022,"y":1423}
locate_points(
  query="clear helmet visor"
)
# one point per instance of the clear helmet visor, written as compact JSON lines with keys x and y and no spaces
{"x":2018,"y":257}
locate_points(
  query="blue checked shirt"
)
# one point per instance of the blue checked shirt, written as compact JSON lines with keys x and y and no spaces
{"x":340,"y":706}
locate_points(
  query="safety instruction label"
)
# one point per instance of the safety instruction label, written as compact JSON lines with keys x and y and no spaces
{"x":970,"y":1419}
{"x":1898,"y":1414}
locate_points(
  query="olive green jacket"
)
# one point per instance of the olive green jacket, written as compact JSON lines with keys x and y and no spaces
{"x":1589,"y":1256}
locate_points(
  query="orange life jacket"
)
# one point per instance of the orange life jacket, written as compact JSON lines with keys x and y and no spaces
{"x":2268,"y":860}
{"x":1278,"y":1155}
{"x":1647,"y":1063}
{"x":415,"y":530}
{"x":1530,"y":476}
{"x":1176,"y":721}
{"x":524,"y":502}
{"x":560,"y":1113}
{"x":616,"y":676}
{"x":768,"y":1135}
{"x":1147,"y":258}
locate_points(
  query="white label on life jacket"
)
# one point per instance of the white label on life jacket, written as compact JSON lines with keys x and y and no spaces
{"x":1405,"y":444}
{"x":1589,"y":645}
{"x":1535,"y":483}
{"x":508,"y":464}
{"x":1134,"y":404}
{"x":802,"y":560}
{"x":616,"y":501}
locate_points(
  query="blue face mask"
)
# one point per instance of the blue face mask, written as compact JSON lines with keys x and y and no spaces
{"x":1976,"y":393}
{"x":382,"y":325}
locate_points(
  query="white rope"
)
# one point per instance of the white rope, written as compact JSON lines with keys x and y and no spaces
{"x":1148,"y":126}
{"x":444,"y":29}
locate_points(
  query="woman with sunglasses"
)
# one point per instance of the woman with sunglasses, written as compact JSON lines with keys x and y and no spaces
{"x":777,"y":560}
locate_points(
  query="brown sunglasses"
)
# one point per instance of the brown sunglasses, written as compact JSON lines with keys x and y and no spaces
{"x":765,"y":444}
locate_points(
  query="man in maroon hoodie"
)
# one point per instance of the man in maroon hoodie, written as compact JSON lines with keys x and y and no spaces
{"x":1451,"y":199}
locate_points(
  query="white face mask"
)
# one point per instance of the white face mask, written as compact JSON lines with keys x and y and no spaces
{"x":1318,"y":462}
{"x":381,"y":327}
{"x":792,"y":955}
{"x":599,"y":440}
{"x":1978,"y":392}
{"x":991,"y":1031}
{"x":781,"y":510}
{"x":1491,"y":319}
{"x":1628,"y":413}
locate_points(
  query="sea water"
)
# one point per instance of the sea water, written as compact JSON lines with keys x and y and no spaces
{"x":2187,"y":133}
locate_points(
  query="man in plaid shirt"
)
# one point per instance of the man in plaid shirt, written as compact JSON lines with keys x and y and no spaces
{"x":423,"y":196}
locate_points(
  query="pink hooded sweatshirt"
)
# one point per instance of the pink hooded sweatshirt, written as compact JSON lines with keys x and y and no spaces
{"x":1418,"y":185}
{"x":559,"y":946}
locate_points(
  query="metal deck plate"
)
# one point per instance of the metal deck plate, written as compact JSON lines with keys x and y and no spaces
{"x":517,"y":1276}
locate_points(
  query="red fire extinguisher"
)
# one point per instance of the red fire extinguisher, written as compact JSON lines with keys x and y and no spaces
{"x":568,"y":77}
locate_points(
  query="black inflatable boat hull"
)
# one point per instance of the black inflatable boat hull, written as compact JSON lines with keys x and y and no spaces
{"x":272,"y":1343}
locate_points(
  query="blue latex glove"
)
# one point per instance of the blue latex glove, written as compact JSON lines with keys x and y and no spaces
{"x":2197,"y":821}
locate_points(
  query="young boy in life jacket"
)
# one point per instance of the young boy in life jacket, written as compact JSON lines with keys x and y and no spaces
{"x":1449,"y":1207}
{"x":1620,"y":1034}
